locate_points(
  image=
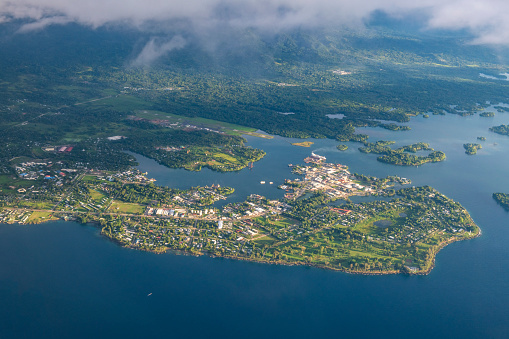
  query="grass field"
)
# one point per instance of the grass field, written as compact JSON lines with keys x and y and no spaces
{"x":127,"y":208}
{"x":266,"y":240}
{"x":38,"y":217}
{"x":96,"y":195}
{"x":40,"y":205}
{"x":7,"y":180}
{"x":222,"y":156}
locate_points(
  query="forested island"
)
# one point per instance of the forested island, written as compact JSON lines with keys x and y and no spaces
{"x":502,"y":199}
{"x":502,"y":109}
{"x":502,"y":129}
{"x":400,"y":155}
{"x":487,"y":114}
{"x":307,"y":227}
{"x":342,"y":147}
{"x":471,"y":149}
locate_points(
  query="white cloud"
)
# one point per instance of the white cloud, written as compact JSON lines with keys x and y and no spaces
{"x":156,"y":48}
{"x":485,"y":18}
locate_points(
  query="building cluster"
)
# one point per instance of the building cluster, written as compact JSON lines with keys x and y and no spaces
{"x":166,"y":212}
{"x":43,"y":170}
{"x":333,"y":179}
{"x":11,"y":216}
{"x":58,"y":149}
{"x":130,"y":176}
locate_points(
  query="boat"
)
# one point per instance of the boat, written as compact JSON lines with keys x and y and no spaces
{"x":262,"y":182}
{"x":149,"y":294}
{"x":270,"y":183}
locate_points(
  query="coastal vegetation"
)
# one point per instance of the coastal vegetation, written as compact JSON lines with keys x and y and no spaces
{"x":487,"y":114}
{"x":401,"y":156}
{"x":405,"y":159}
{"x":471,"y":149}
{"x":502,"y":199}
{"x":502,"y":109}
{"x":501,"y":129}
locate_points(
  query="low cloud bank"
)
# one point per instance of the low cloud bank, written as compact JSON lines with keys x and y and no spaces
{"x":486,"y":19}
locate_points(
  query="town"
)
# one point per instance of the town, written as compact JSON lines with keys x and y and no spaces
{"x":316,"y":223}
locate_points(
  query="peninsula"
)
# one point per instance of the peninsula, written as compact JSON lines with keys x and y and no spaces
{"x":315,"y":224}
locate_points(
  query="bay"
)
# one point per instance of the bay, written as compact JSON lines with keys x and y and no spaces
{"x":62,"y":279}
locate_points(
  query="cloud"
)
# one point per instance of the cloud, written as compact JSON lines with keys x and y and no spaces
{"x":486,"y":19}
{"x":156,"y":48}
{"x":44,"y":22}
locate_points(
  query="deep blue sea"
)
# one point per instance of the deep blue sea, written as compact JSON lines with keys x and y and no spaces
{"x":63,"y":280}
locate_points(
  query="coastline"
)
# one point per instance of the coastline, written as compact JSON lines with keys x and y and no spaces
{"x":405,"y":270}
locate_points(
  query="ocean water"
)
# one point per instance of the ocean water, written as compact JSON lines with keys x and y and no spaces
{"x":63,"y":280}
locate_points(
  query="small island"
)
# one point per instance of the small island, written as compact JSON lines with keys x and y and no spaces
{"x":481,"y":138}
{"x":471,"y":149}
{"x":395,"y":127}
{"x":502,"y":129}
{"x":487,"y":114}
{"x":501,"y":109}
{"x":342,"y":147}
{"x":303,"y":144}
{"x":502,"y":199}
{"x":401,"y":156}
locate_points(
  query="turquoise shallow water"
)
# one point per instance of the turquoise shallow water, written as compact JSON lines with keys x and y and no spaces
{"x":61,"y":280}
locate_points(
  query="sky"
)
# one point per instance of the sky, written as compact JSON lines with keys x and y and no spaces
{"x":485,"y":19}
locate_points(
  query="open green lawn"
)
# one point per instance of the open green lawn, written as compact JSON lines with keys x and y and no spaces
{"x":224,"y":157}
{"x":128,"y":208}
{"x":42,"y":205}
{"x":96,"y":195}
{"x":265,"y":240}
{"x":7,"y":180}
{"x":38,"y":217}
{"x":38,"y":152}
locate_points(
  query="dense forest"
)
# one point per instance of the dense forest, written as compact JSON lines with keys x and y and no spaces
{"x":401,"y":156}
{"x":502,"y":129}
{"x":291,"y":83}
{"x":502,"y":199}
